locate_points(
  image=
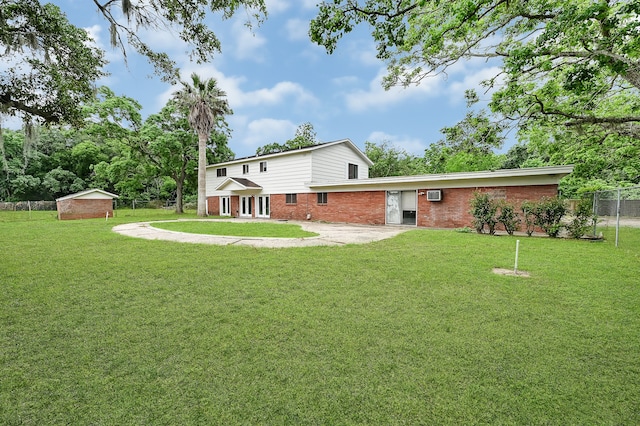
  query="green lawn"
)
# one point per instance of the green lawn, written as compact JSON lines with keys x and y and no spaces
{"x":99,"y":328}
{"x":240,"y":229}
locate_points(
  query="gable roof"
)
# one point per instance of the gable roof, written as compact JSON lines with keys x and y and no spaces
{"x":238,"y":184}
{"x":532,"y":176}
{"x":87,"y":194}
{"x":295,"y":151}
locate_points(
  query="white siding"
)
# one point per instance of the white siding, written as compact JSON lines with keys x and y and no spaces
{"x":332,"y":164}
{"x":285,"y":174}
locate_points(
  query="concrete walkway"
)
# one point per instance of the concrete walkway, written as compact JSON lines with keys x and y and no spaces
{"x":330,"y":234}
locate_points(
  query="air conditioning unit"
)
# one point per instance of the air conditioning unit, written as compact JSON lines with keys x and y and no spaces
{"x":434,"y":195}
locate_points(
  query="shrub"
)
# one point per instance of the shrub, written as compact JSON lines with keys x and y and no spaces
{"x":527,"y":208}
{"x":548,"y":213}
{"x":483,"y":210}
{"x":508,"y":217}
{"x":582,"y":220}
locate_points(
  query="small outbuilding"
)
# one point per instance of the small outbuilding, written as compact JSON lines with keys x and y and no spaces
{"x":92,"y":203}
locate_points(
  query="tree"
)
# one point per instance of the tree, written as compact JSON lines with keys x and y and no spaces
{"x":571,"y":63}
{"x":50,"y":66}
{"x":305,"y":136}
{"x":391,"y":161}
{"x":187,"y":16}
{"x":467,"y":146}
{"x":204,"y":101}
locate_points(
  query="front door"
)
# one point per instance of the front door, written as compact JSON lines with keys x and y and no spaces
{"x":225,"y":206}
{"x":262,"y":206}
{"x":246,"y":206}
{"x":393,"y":208}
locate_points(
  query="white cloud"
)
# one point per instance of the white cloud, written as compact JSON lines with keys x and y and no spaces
{"x":276,"y":6}
{"x":411,"y":145}
{"x":263,"y":131}
{"x":248,"y":42}
{"x":376,"y":97}
{"x":346,"y":80}
{"x":297,"y":29}
{"x":472,"y":79}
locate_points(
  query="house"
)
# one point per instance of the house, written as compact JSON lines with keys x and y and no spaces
{"x":329,"y":182}
{"x":92,"y":203}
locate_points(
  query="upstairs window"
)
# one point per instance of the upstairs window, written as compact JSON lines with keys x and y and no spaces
{"x":221,"y":172}
{"x":353,"y":171}
{"x":291,"y":198}
{"x":245,"y":169}
{"x":322,"y":198}
{"x":263,"y":166}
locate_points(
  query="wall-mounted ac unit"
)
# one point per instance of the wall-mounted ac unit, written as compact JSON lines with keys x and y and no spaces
{"x":434,"y":195}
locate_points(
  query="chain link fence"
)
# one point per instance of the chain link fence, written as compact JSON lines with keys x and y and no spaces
{"x":616,"y":209}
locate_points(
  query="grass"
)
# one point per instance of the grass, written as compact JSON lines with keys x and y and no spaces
{"x":242,"y":229}
{"x":98,"y":328}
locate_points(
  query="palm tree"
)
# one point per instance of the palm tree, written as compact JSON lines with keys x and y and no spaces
{"x":206,"y":105}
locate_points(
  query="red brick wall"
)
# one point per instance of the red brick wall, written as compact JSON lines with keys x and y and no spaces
{"x":368,"y":207}
{"x":453,"y":210}
{"x":349,"y":207}
{"x":213,"y":205}
{"x":84,"y":209}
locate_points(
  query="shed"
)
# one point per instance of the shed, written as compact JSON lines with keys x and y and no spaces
{"x":92,"y":203}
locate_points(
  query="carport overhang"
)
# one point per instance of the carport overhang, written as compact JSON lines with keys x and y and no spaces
{"x":509,"y":177}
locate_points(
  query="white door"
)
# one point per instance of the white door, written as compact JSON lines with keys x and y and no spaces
{"x":394,"y":216}
{"x":262,"y":206}
{"x":225,"y":206}
{"x":246,"y":206}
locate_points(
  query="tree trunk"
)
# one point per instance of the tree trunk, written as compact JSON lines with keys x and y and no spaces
{"x":179,"y":186}
{"x":202,"y":174}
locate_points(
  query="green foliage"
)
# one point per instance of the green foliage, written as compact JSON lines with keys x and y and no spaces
{"x":51,"y":64}
{"x":583,"y":218}
{"x":305,"y":136}
{"x":391,"y":161}
{"x":548,"y":213}
{"x":528,"y":208}
{"x":508,"y":217}
{"x":484,"y":209}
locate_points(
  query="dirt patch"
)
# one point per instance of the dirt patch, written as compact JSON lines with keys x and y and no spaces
{"x":511,"y":272}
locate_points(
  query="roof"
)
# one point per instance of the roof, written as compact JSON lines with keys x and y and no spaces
{"x":87,"y":194}
{"x":534,"y":175}
{"x":297,"y":151}
{"x":238,"y":184}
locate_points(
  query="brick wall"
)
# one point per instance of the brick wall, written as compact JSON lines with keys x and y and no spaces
{"x":453,"y":210}
{"x":368,"y":207}
{"x":84,"y":209}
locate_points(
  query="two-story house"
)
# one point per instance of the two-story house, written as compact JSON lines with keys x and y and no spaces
{"x":329,"y":182}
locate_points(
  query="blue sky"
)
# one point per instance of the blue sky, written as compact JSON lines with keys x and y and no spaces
{"x":276,"y":79}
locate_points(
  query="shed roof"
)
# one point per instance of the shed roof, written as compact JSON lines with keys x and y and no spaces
{"x":89,"y":194}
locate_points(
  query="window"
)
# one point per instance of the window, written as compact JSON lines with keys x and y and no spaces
{"x":245,"y":169}
{"x":291,"y":198}
{"x":322,"y":198}
{"x":221,"y":172}
{"x":263,"y":166}
{"x":353,"y":171}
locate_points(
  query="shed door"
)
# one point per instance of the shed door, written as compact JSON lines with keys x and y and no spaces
{"x":393,"y":208}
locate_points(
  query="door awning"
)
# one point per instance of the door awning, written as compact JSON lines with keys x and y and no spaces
{"x":239,"y":185}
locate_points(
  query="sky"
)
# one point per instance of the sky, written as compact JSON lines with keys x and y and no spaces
{"x":276,"y":79}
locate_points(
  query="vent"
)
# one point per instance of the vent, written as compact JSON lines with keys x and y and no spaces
{"x":434,"y":195}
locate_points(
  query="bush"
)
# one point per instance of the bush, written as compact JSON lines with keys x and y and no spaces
{"x":508,"y":217}
{"x":548,"y":213}
{"x":582,"y":220}
{"x":483,"y":209}
{"x":527,"y":208}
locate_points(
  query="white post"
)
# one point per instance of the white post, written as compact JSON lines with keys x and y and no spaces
{"x":106,"y":217}
{"x":618,"y":217}
{"x":515,"y":269}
